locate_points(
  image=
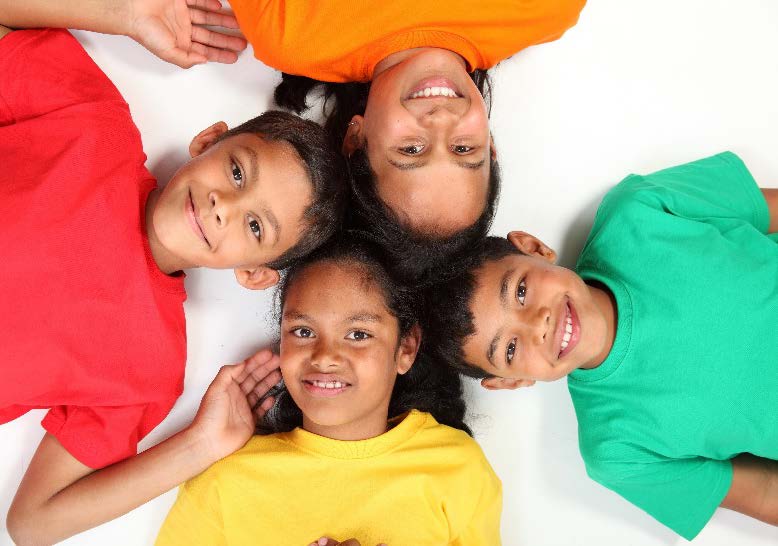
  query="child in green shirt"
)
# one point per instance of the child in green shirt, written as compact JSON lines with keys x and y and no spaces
{"x":665,"y":331}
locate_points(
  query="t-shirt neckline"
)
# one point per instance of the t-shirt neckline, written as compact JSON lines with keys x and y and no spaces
{"x":623,"y":338}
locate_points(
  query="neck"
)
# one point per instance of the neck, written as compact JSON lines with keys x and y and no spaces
{"x":362,"y":429}
{"x":606,"y":304}
{"x":394,"y":59}
{"x":166,"y":262}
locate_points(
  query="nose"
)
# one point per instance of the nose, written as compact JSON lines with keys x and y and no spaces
{"x":326,"y":355}
{"x":536,"y":325}
{"x":438,"y":114}
{"x":222,"y":207}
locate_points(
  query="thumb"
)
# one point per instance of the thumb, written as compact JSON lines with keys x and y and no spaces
{"x":182,"y":58}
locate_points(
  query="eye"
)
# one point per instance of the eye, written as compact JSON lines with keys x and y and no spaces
{"x":358,"y":335}
{"x":255,"y":227}
{"x":413,"y":149}
{"x":462,"y":149}
{"x":511,"y":350}
{"x":237,"y":174}
{"x":521,"y":291}
{"x":303,"y":332}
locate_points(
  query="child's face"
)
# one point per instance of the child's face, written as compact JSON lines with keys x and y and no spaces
{"x":533,"y":320}
{"x":431,"y":155}
{"x":238,"y":203}
{"x":340,"y":353}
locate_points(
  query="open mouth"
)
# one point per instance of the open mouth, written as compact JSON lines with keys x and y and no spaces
{"x":326,"y":388}
{"x":571,"y":330}
{"x":194,"y":220}
{"x":437,"y":87}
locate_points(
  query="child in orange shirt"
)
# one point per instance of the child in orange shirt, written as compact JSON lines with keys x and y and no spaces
{"x":407,"y":83}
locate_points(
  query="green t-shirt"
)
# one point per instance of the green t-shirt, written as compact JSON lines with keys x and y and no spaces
{"x":692,"y":378}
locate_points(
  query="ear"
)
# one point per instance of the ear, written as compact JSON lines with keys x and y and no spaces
{"x":531,"y":245}
{"x":505,"y":383}
{"x":206,"y":137}
{"x":492,"y":149}
{"x":406,"y":352}
{"x":355,"y":137}
{"x":258,"y":278}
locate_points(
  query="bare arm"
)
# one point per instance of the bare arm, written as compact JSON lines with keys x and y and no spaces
{"x":59,"y":496}
{"x":771,"y":196}
{"x":754,"y":489}
{"x":171,"y":29}
{"x":4,"y":31}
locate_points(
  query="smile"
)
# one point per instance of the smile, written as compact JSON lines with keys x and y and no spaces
{"x":571,"y":330}
{"x":194,"y":220}
{"x":434,"y":87}
{"x":325,"y":388}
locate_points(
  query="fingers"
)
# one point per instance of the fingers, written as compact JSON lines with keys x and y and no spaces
{"x":324,"y":541}
{"x":260,"y":357}
{"x":260,"y":385}
{"x":261,"y":410}
{"x":213,"y":5}
{"x":213,"y":18}
{"x":217,"y":40}
{"x":182,"y":58}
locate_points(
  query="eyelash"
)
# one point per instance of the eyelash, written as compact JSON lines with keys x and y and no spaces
{"x":511,"y":351}
{"x":407,"y":150}
{"x":236,"y":177}
{"x":521,"y":288}
{"x":350,"y":334}
{"x":296,"y":332}
{"x":467,"y":149}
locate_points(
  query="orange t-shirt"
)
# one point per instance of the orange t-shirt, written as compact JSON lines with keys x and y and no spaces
{"x":343,"y":41}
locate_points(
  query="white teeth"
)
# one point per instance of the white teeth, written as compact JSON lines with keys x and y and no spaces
{"x":568,"y":332}
{"x":328,"y":384}
{"x":434,"y":92}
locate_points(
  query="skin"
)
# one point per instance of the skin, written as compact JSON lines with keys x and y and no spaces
{"x":527,"y":321}
{"x":423,"y":148}
{"x":59,"y":496}
{"x":336,"y":327}
{"x":248,"y":197}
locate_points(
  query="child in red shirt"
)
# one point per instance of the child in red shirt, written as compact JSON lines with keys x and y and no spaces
{"x":92,"y":324}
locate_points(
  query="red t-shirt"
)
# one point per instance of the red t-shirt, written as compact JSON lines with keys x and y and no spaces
{"x":89,"y":326}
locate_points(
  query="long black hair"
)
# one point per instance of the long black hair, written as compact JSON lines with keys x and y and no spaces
{"x":414,"y":255}
{"x":428,"y":387}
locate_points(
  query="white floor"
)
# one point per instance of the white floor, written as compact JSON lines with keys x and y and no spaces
{"x":635,"y":87}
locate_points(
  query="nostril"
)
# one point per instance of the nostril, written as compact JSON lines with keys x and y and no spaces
{"x":212,"y":199}
{"x":218,"y":220}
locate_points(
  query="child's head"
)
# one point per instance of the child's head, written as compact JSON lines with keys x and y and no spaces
{"x":349,"y":344}
{"x":424,"y":169}
{"x":253,"y":198}
{"x":513,"y":317}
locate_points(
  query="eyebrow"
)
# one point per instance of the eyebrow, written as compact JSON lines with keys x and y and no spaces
{"x":364,"y":317}
{"x":295,"y":315}
{"x":254,"y":168}
{"x":504,"y":282}
{"x":418,"y":164}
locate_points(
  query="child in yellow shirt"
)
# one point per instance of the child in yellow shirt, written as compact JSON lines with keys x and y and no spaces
{"x":365,"y":440}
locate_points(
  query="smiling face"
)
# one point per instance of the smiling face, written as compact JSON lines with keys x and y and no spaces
{"x":426,"y":130}
{"x":341,"y":350}
{"x":238,"y":203}
{"x":535,"y":321}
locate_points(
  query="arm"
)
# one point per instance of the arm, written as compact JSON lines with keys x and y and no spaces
{"x":4,"y":31}
{"x":771,"y":196}
{"x":754,"y":489}
{"x":170,"y":29}
{"x":59,"y":496}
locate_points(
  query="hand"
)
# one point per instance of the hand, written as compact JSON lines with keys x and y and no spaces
{"x":228,"y":413}
{"x":326,"y":541}
{"x":171,"y":30}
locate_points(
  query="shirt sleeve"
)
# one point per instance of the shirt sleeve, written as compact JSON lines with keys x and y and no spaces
{"x":682,"y":494}
{"x":715,"y":189}
{"x":100,"y":436}
{"x":195,"y":518}
{"x":483,"y":529}
{"x":43,"y":71}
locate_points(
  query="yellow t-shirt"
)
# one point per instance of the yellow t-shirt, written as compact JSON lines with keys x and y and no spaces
{"x":343,"y":41}
{"x":420,"y":483}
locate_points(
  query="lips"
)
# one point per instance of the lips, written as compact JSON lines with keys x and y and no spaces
{"x":434,"y":87}
{"x":568,"y":329}
{"x":325,"y":385}
{"x":194,"y":219}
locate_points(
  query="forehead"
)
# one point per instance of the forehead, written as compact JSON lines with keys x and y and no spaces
{"x":440,"y":195}
{"x":337,"y":287}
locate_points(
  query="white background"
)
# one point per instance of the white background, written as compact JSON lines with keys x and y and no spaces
{"x":635,"y":87}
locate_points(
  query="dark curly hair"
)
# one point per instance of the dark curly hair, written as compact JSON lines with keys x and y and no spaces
{"x":425,"y":387}
{"x":415,"y":254}
{"x":447,"y":319}
{"x":324,"y":166}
